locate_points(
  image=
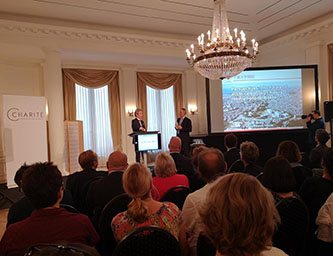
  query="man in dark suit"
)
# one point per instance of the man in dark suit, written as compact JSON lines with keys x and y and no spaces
{"x":183,"y":163}
{"x":102,"y":191}
{"x":138,"y":125}
{"x":232,"y":154}
{"x":184,"y":127}
{"x":78,"y":183}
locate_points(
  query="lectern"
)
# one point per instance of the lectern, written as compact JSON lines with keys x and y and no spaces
{"x":146,"y":141}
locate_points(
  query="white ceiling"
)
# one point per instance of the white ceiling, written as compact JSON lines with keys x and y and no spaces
{"x":261,"y":19}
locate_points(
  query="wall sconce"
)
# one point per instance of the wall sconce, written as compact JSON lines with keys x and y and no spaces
{"x":193,"y":109}
{"x":130,"y":111}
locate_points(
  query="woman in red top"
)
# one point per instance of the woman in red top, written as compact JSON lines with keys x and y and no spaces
{"x":166,"y":174}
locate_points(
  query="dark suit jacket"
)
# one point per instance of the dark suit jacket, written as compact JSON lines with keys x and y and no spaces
{"x":187,"y":128}
{"x":253,"y":169}
{"x":78,"y":184}
{"x":136,"y":125}
{"x":316,"y":155}
{"x":183,"y":164}
{"x":231,"y":156}
{"x":102,"y":191}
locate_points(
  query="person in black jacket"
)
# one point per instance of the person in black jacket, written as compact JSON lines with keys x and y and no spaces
{"x":184,"y":127}
{"x":317,"y":153}
{"x":78,"y":183}
{"x":183,"y":163}
{"x":138,"y":125}
{"x":103,"y":190}
{"x":314,"y":122}
{"x":232,"y":154}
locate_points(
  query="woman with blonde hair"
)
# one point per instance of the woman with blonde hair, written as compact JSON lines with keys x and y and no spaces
{"x":166,"y":174}
{"x":240,"y":218}
{"x":144,"y":210}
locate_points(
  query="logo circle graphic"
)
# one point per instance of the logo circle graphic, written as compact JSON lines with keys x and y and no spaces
{"x":11,"y":114}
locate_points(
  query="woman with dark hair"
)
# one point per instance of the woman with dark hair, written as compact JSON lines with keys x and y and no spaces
{"x":240,"y":218}
{"x":290,"y":236}
{"x":290,"y":150}
{"x":143,"y":210}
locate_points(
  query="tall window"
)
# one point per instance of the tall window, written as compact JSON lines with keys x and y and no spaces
{"x":161,"y":113}
{"x":92,"y":107}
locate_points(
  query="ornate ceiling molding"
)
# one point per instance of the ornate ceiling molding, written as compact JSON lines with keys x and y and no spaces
{"x":72,"y":33}
{"x":311,"y":31}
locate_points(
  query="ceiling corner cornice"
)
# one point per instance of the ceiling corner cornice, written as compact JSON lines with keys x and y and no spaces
{"x":27,"y":29}
{"x":300,"y":34}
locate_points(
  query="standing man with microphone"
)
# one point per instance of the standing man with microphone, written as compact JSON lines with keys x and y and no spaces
{"x":184,"y":127}
{"x":138,"y":125}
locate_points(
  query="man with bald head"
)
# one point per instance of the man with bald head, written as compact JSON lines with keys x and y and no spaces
{"x":183,"y":163}
{"x":102,"y":191}
{"x":211,"y":165}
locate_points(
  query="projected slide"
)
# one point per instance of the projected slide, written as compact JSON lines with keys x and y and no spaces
{"x":257,"y":100}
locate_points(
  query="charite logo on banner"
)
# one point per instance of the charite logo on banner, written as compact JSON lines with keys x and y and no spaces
{"x":15,"y":114}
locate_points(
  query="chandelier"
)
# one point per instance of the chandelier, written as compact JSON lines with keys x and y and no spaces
{"x":223,"y":55}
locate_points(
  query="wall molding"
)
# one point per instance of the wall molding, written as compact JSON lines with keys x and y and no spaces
{"x":60,"y":32}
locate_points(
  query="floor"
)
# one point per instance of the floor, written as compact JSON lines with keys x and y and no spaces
{"x":3,"y":221}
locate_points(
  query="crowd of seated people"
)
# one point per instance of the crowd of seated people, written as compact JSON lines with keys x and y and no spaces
{"x":250,"y":211}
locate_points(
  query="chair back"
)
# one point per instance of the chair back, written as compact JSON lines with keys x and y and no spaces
{"x":176,"y":195}
{"x":205,"y":246}
{"x":237,"y":166}
{"x":291,"y":233}
{"x":148,"y":241}
{"x":69,"y":208}
{"x":111,"y":209}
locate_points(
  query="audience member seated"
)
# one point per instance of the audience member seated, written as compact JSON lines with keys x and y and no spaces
{"x":325,"y":228}
{"x":144,"y":210}
{"x":317,"y":153}
{"x":78,"y":183}
{"x":232,"y":154}
{"x":62,"y":249}
{"x":166,"y":174}
{"x":314,"y":192}
{"x":23,"y":208}
{"x":249,"y":155}
{"x":240,"y":218}
{"x":211,"y":165}
{"x":183,"y":163}
{"x":279,"y":178}
{"x":196,"y":181}
{"x":48,"y":223}
{"x":103,"y":190}
{"x":289,"y":150}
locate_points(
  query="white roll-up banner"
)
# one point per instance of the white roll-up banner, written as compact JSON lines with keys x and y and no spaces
{"x":24,"y":119}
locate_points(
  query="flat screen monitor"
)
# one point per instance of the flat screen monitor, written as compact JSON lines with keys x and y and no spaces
{"x":148,"y":141}
{"x":265,"y":98}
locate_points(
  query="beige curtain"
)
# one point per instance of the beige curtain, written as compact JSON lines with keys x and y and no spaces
{"x":93,"y":79}
{"x":159,"y":81}
{"x":330,"y":70}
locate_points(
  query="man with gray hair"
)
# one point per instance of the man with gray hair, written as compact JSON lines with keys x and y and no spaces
{"x":211,"y":165}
